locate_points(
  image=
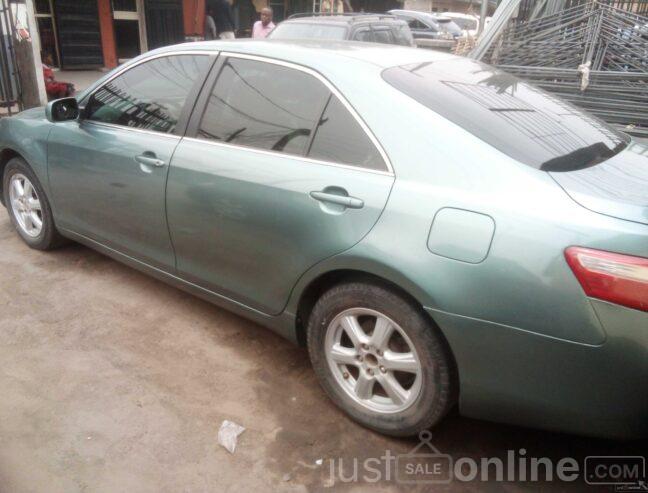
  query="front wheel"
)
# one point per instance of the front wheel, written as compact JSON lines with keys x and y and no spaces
{"x":380,"y":359}
{"x":28,"y":206}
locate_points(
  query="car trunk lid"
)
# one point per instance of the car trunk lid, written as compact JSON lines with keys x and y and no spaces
{"x":617,"y":187}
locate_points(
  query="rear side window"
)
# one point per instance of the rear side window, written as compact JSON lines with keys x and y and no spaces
{"x":403,"y":35}
{"x":149,"y":96}
{"x":383,"y":35}
{"x":522,"y":121}
{"x":340,"y":138}
{"x":264,"y":106}
{"x":364,"y":35}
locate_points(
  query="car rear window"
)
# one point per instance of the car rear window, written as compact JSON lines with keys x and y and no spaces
{"x":526,"y":123}
{"x":303,"y":30}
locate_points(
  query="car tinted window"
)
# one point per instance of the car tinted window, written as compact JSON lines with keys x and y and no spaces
{"x":363,"y":35}
{"x":528,"y":124}
{"x":304,"y":30}
{"x":148,"y":96}
{"x":403,"y":35}
{"x":263,"y":105}
{"x":383,"y":36}
{"x":416,"y":24}
{"x":341,"y":139}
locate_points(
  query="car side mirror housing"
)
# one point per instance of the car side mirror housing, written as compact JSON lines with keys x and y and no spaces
{"x":62,"y":110}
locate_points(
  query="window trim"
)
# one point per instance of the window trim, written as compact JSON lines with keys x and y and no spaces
{"x":193,"y":94}
{"x":224,"y":55}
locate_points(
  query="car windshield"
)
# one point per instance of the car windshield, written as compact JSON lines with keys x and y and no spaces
{"x":447,"y":26}
{"x":307,"y":30}
{"x":524,"y":122}
{"x":465,"y":23}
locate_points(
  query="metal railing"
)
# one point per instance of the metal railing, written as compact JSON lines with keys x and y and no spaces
{"x":9,"y":77}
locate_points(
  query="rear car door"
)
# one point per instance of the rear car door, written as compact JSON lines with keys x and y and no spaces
{"x":277,"y":173}
{"x":108,"y":170}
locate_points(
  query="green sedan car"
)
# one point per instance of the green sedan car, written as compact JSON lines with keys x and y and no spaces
{"x":436,"y":232}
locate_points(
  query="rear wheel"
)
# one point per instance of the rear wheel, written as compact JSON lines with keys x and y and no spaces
{"x":28,"y":206}
{"x":380,"y":359}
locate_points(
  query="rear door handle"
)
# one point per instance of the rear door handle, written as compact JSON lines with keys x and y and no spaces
{"x":344,"y":200}
{"x":149,"y":160}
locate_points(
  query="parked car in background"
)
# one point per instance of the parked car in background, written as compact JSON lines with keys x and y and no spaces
{"x":434,"y":230}
{"x":429,"y":30}
{"x":374,"y":28}
{"x":466,"y":22}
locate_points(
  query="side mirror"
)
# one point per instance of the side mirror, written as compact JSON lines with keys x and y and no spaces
{"x":62,"y":110}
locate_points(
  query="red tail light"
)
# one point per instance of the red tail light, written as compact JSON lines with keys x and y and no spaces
{"x":621,"y":279}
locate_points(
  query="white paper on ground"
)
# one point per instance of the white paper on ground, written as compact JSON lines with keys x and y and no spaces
{"x":228,"y":433}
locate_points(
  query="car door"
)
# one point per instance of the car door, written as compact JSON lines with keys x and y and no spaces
{"x":279,"y":174}
{"x":108,"y":170}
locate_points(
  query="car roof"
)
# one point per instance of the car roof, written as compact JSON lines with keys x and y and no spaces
{"x":341,"y":18}
{"x":319,"y":54}
{"x":459,"y":15}
{"x":427,"y":16}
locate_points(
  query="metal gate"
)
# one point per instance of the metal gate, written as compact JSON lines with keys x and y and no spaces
{"x":164,"y":23}
{"x":79,"y":34}
{"x":9,"y":77}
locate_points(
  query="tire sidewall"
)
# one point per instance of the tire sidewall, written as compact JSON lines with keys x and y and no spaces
{"x":46,"y":237}
{"x":431,"y":403}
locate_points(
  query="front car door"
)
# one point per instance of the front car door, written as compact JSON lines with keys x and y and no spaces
{"x":278,"y":174}
{"x":108,"y":171}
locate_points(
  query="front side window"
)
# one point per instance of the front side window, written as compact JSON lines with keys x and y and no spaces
{"x":149,"y":96}
{"x":339,"y":138}
{"x":264,"y":106}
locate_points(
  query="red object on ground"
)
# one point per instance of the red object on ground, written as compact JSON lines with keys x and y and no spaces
{"x":54,"y":88}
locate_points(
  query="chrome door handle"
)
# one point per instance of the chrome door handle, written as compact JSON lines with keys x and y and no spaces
{"x":331,"y":198}
{"x":150,"y":161}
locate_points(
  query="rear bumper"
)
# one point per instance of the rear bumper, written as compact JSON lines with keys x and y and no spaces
{"x":519,"y":377}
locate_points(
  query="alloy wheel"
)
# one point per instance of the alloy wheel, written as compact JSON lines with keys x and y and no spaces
{"x":25,"y":205}
{"x":373,"y":360}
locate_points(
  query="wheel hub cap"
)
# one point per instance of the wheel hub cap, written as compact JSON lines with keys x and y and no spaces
{"x":373,"y":360}
{"x":25,"y":205}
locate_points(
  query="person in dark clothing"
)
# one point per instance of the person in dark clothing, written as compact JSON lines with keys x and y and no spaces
{"x":210,"y":25}
{"x":222,"y":12}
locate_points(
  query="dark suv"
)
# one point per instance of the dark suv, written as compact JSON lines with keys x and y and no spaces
{"x":430,"y":30}
{"x":374,"y":28}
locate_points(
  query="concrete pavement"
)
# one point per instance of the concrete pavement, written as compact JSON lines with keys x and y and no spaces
{"x":112,"y":381}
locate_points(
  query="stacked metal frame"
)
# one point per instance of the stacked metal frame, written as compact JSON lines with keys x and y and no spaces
{"x":590,"y":53}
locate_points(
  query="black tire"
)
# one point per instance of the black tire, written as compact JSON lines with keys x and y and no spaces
{"x":438,"y":390}
{"x":49,"y":237}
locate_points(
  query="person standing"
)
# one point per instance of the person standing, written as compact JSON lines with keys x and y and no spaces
{"x":222,"y":10}
{"x":210,"y":25}
{"x":262,"y":28}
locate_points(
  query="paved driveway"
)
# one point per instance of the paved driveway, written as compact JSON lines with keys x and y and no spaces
{"x":112,"y":381}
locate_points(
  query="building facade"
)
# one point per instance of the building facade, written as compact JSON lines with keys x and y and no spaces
{"x":103,"y":33}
